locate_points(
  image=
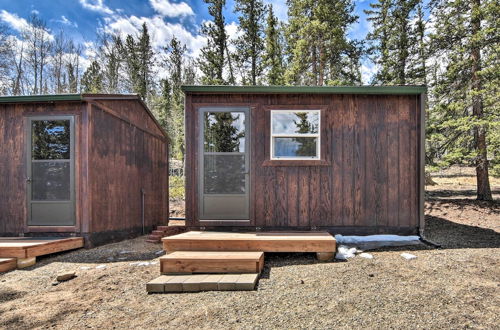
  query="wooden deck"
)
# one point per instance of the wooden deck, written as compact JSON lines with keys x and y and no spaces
{"x":30,"y":247}
{"x":319,"y":242}
{"x":7,"y":264}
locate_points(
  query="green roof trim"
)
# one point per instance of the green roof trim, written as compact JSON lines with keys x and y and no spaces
{"x":382,"y":90}
{"x":41,"y":98}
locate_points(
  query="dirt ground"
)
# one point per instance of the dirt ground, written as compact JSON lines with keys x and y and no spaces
{"x":456,"y":286}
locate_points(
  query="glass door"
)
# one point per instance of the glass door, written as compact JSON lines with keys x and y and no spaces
{"x":224,"y":164}
{"x":50,"y":176}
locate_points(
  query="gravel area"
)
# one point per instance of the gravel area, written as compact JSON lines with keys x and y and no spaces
{"x":457,"y":286}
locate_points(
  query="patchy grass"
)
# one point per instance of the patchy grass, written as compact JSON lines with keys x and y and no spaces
{"x":176,"y":188}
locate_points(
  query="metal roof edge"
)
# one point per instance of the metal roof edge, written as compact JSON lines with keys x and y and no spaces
{"x":41,"y":98}
{"x":382,"y":90}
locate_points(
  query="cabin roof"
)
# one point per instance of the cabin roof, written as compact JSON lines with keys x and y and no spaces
{"x":378,"y":90}
{"x":64,"y":97}
{"x":80,"y":97}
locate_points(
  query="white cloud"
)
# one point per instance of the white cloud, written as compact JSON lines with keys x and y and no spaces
{"x":96,"y":5}
{"x":66,"y":21}
{"x":169,"y":9}
{"x":35,"y":12}
{"x":368,"y":70}
{"x":17,"y":23}
{"x":161,"y":32}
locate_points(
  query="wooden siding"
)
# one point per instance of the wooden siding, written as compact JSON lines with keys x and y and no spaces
{"x":123,"y":160}
{"x":13,"y":201}
{"x":368,"y":176}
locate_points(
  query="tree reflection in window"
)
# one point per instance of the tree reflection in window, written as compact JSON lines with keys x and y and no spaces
{"x":224,"y":132}
{"x":306,"y":146}
{"x":50,"y":139}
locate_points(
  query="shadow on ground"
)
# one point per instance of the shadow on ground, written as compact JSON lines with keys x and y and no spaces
{"x":452,"y":235}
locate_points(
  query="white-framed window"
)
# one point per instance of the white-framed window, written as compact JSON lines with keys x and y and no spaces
{"x":295,"y":134}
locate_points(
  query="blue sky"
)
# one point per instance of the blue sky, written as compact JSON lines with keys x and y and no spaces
{"x":81,"y":19}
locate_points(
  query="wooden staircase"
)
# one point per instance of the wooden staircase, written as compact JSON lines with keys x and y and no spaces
{"x":238,"y":258}
{"x":164,"y":231}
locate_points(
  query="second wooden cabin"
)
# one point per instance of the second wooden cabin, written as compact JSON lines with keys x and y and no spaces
{"x":342,"y":159}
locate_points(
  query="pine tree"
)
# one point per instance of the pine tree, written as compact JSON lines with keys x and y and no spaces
{"x":464,"y":109}
{"x":138,"y":57}
{"x":249,"y":45}
{"x":273,"y":54}
{"x":175,"y":66}
{"x":318,"y":47}
{"x":111,"y":58}
{"x":92,"y":79}
{"x":379,"y":16}
{"x":212,"y":59}
{"x":394,"y":42}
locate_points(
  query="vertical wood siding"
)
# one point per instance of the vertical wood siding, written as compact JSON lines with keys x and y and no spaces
{"x":124,"y":160}
{"x":13,"y":199}
{"x":369,"y":179}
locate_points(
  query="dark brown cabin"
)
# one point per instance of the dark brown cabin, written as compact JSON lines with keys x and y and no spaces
{"x":347,"y":160}
{"x":81,"y":165}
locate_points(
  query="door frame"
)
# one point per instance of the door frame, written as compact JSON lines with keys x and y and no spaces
{"x":247,"y":110}
{"x":28,"y":164}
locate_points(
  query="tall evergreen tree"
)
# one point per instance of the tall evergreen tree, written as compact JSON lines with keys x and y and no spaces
{"x":318,"y":47}
{"x":213,"y":56}
{"x":138,"y":55}
{"x":273,"y":53}
{"x":394,"y":42}
{"x":92,"y":79}
{"x":249,"y":46}
{"x":463,"y":97}
{"x":378,"y":38}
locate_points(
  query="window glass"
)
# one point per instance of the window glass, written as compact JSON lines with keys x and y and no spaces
{"x":224,"y":174}
{"x":295,"y":122}
{"x":224,"y":132}
{"x":295,"y":134}
{"x":51,"y":181}
{"x":295,"y":146}
{"x":50,"y":139}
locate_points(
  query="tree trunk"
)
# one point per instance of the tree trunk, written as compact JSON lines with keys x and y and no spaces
{"x":483,"y":183}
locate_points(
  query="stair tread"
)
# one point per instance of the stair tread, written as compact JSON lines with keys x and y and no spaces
{"x":215,"y":255}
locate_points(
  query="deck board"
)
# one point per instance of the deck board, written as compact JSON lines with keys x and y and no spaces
{"x":7,"y":264}
{"x":27,"y":247}
{"x":262,"y":241}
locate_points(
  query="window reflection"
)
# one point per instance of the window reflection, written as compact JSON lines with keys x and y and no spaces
{"x":224,"y":132}
{"x":50,"y":139}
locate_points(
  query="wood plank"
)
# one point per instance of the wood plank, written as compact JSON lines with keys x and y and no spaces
{"x":7,"y":264}
{"x":19,"y":247}
{"x":266,"y":242}
{"x":211,"y":262}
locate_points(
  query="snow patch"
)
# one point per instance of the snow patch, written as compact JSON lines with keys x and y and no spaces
{"x":366,"y":255}
{"x":376,"y":241}
{"x":344,"y":252}
{"x":408,"y":256}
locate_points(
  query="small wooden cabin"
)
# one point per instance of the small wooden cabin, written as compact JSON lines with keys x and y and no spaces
{"x":85,"y":165}
{"x":348,"y":160}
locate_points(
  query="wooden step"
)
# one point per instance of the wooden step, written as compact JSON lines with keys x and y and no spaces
{"x":7,"y":264}
{"x":202,"y":282}
{"x":254,"y":241}
{"x":212,"y":262}
{"x":158,"y":232}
